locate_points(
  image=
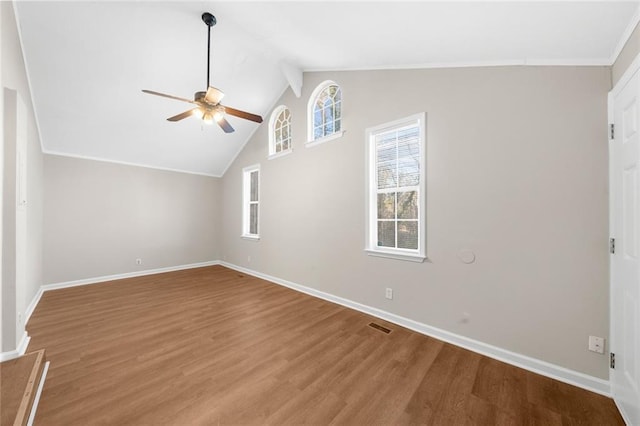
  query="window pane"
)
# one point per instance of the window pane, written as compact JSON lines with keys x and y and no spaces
{"x":408,"y":205}
{"x":408,"y":172}
{"x":285,"y":145}
{"x":387,"y":206}
{"x":386,"y":234}
{"x":253,"y":219}
{"x":385,"y":151}
{"x":408,"y":235}
{"x":387,"y":175}
{"x":254,"y":186}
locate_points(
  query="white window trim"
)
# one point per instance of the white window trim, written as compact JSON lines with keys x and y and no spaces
{"x":280,"y":154}
{"x":310,"y":106}
{"x":371,"y":199}
{"x":246,"y":195}
{"x":324,"y":139}
{"x":272,"y":143}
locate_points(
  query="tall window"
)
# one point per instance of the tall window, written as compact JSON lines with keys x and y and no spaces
{"x":251,"y":201}
{"x":396,"y":193}
{"x":325,"y":112}
{"x":280,"y":131}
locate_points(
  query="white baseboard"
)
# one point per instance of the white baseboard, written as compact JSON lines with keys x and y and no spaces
{"x":19,"y":351}
{"x":544,"y":368}
{"x":96,"y":280}
{"x":36,"y":399}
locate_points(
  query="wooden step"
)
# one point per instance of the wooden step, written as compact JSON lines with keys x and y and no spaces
{"x":19,"y":380}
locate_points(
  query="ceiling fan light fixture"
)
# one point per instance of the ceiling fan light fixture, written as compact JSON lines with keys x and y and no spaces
{"x":208,"y":107}
{"x":207,"y":117}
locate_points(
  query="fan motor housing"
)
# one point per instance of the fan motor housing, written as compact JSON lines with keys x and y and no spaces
{"x":199,"y":96}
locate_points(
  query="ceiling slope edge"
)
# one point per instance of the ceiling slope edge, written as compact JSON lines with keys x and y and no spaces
{"x":626,"y":35}
{"x":28,"y":74}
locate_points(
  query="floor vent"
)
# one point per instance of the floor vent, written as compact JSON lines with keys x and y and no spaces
{"x":379,"y":327}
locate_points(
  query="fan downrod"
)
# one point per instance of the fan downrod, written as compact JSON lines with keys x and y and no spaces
{"x":208,"y":19}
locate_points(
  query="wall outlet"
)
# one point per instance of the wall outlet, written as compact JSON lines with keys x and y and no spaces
{"x":596,"y":344}
{"x":138,"y":261}
{"x":388,"y":293}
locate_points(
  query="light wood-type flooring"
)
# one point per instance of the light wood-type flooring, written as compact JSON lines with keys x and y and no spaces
{"x":212,"y":346}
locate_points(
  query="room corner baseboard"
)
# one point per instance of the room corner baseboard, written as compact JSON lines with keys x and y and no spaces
{"x":19,"y":351}
{"x":96,"y":280}
{"x":32,"y":306}
{"x":544,"y":368}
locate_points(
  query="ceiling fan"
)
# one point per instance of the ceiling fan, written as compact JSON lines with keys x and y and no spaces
{"x":208,"y":103}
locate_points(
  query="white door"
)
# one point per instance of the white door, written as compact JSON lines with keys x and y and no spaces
{"x":625,"y":262}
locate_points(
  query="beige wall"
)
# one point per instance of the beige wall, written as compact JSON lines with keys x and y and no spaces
{"x":101,"y":217}
{"x":627,"y":55}
{"x":516,"y":172}
{"x":14,"y":77}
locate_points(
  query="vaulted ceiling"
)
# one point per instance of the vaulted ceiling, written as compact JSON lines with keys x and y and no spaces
{"x":88,"y":61}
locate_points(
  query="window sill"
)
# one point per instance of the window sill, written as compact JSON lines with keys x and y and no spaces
{"x":324,"y":139}
{"x":280,"y":154}
{"x":250,"y":237}
{"x":418,"y":258}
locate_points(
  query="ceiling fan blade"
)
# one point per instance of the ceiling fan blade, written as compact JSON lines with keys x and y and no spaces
{"x":213,"y":96}
{"x":182,"y":115}
{"x":222,"y":122}
{"x":151,"y":92}
{"x":243,"y":114}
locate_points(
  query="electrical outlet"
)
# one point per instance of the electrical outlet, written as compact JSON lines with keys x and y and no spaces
{"x":596,"y":344}
{"x":138,"y":261}
{"x":388,"y":293}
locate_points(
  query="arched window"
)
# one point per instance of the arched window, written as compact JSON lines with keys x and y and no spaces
{"x":280,"y":131}
{"x":325,"y":112}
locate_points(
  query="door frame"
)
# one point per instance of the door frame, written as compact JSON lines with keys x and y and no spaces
{"x":630,"y":72}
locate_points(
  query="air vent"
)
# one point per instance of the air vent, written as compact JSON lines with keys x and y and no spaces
{"x":379,"y":327}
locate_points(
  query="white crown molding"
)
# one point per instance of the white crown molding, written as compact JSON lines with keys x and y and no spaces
{"x":626,"y":34}
{"x":544,"y":368}
{"x":477,"y":64}
{"x":125,"y":163}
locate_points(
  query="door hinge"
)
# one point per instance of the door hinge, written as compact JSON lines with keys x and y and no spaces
{"x":612,"y":130}
{"x":612,"y":360}
{"x":612,"y":245}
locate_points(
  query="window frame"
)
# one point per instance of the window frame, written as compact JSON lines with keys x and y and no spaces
{"x":317,"y":92}
{"x":272,"y":132}
{"x":247,"y":202}
{"x":371,"y":247}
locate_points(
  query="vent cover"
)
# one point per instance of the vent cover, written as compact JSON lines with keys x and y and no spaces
{"x":379,"y":327}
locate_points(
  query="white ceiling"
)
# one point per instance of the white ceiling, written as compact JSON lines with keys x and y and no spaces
{"x":88,"y":61}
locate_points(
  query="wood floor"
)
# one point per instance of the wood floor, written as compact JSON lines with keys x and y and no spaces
{"x":212,"y":346}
